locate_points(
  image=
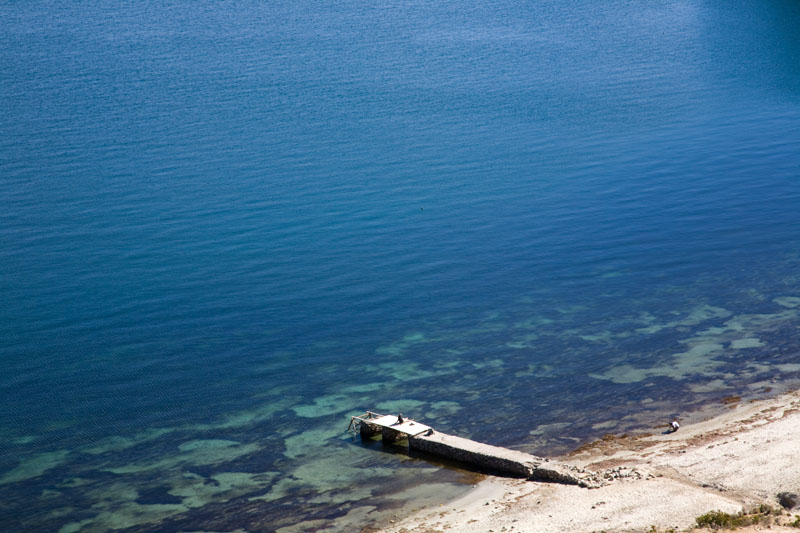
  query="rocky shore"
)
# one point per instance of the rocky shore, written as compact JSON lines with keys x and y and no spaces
{"x":745,"y":460}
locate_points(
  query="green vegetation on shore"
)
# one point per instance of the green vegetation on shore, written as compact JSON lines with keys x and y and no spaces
{"x":763,"y":514}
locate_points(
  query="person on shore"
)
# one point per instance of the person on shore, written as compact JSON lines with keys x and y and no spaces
{"x":674,"y":426}
{"x":400,"y":418}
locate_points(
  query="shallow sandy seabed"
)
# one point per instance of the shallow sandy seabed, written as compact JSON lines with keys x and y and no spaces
{"x":729,"y":462}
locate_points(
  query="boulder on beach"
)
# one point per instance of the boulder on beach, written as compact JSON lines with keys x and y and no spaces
{"x":788,"y":500}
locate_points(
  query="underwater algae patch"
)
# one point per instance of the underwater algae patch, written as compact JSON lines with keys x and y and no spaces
{"x":197,"y":491}
{"x":695,"y":360}
{"x":195,"y":452}
{"x":178,"y":489}
{"x":788,"y":301}
{"x":738,"y":332}
{"x":35,"y":466}
{"x":118,"y":505}
{"x":327,"y":405}
{"x":748,"y":342}
{"x":121,"y":481}
{"x":118,"y":443}
{"x":400,"y":346}
{"x":696,"y":316}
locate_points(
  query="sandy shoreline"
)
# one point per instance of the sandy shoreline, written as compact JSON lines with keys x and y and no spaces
{"x":741,"y":458}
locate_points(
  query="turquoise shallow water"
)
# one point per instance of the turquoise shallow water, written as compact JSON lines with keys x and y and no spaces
{"x":228,"y":227}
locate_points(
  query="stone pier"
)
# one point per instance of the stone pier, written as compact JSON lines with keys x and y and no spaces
{"x":501,"y":460}
{"x":487,"y":457}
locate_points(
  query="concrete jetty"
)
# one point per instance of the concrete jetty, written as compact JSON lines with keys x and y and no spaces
{"x":421,"y":437}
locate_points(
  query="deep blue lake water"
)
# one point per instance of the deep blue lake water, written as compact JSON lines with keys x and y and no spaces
{"x":227,"y":227}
